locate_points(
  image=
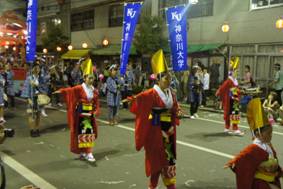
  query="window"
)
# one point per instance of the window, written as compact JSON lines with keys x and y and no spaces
{"x":82,"y":21}
{"x":257,"y":4}
{"x":116,"y":15}
{"x":169,"y":3}
{"x":200,"y":9}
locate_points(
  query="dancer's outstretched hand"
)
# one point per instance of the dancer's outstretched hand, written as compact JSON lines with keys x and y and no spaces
{"x":56,"y":92}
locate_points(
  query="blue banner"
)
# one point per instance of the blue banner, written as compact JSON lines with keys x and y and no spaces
{"x":177,"y":27}
{"x":131,"y":15}
{"x":31,"y":30}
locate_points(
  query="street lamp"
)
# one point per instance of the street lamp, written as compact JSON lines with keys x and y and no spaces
{"x":225,"y":28}
{"x":279,"y":23}
{"x":14,"y":48}
{"x":105,"y":42}
{"x":193,"y":2}
{"x":59,"y":49}
{"x":84,"y":45}
{"x":70,"y":47}
{"x":45,"y":51}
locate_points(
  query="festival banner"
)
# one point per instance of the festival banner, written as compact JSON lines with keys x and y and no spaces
{"x":131,"y":15}
{"x":31,"y":30}
{"x":177,"y":27}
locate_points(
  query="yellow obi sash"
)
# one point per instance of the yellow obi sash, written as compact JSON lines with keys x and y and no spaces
{"x":165,"y":117}
{"x":159,"y":115}
{"x":86,"y":107}
{"x":264,"y":173}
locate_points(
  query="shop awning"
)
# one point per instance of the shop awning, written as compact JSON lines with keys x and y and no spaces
{"x":193,"y":48}
{"x":112,"y":50}
{"x":75,"y":54}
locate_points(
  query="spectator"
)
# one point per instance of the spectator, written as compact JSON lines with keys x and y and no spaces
{"x":55,"y":84}
{"x":8,"y":76}
{"x":31,"y":92}
{"x":195,"y":95}
{"x":206,"y":80}
{"x":127,"y":85}
{"x":278,"y":82}
{"x":2,"y":99}
{"x":248,"y":80}
{"x":184,"y":83}
{"x":271,"y":106}
{"x":214,"y":74}
{"x":113,"y":95}
{"x":76,"y":75}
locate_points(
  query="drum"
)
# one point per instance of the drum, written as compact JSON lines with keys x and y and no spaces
{"x":43,"y":99}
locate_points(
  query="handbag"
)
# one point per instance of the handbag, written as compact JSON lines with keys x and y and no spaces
{"x":43,"y":99}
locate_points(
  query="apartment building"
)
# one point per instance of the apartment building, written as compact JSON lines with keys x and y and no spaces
{"x":252,"y":33}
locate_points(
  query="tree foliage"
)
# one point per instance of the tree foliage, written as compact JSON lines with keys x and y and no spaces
{"x":149,"y":35}
{"x":53,"y":38}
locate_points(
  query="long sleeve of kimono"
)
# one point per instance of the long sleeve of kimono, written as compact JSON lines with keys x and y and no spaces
{"x":141,"y":107}
{"x":175,"y":111}
{"x":222,"y":89}
{"x":245,"y":165}
{"x":71,"y":96}
{"x":97,"y":104}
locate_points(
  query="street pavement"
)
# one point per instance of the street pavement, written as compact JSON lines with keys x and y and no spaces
{"x":202,"y":151}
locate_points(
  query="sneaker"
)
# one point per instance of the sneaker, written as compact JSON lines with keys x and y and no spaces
{"x":59,"y":104}
{"x":196,"y":115}
{"x":89,"y":157}
{"x":238,"y":133}
{"x":226,"y":130}
{"x":3,"y":121}
{"x":82,"y":156}
{"x":44,"y":114}
{"x":193,"y":117}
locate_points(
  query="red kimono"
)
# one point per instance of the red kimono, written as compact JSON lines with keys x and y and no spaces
{"x":224,"y":93}
{"x":150,"y":137}
{"x":74,"y":96}
{"x":246,"y":164}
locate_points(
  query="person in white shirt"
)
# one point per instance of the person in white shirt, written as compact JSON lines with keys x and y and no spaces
{"x":205,"y":82}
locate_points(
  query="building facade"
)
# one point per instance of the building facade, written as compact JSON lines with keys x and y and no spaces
{"x":252,"y":34}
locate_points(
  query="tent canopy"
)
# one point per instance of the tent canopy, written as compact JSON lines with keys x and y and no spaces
{"x":75,"y":54}
{"x":112,"y":50}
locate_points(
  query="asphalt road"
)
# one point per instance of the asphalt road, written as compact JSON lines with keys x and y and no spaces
{"x":202,"y":151}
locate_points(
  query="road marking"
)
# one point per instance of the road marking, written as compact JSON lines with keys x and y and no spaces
{"x":180,"y":142}
{"x":203,"y":119}
{"x":26,"y":173}
{"x":241,"y":126}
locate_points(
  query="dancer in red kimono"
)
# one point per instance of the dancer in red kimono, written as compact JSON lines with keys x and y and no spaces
{"x":157,"y":112}
{"x":229,"y":93}
{"x":83,"y":107}
{"x":257,"y":167}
